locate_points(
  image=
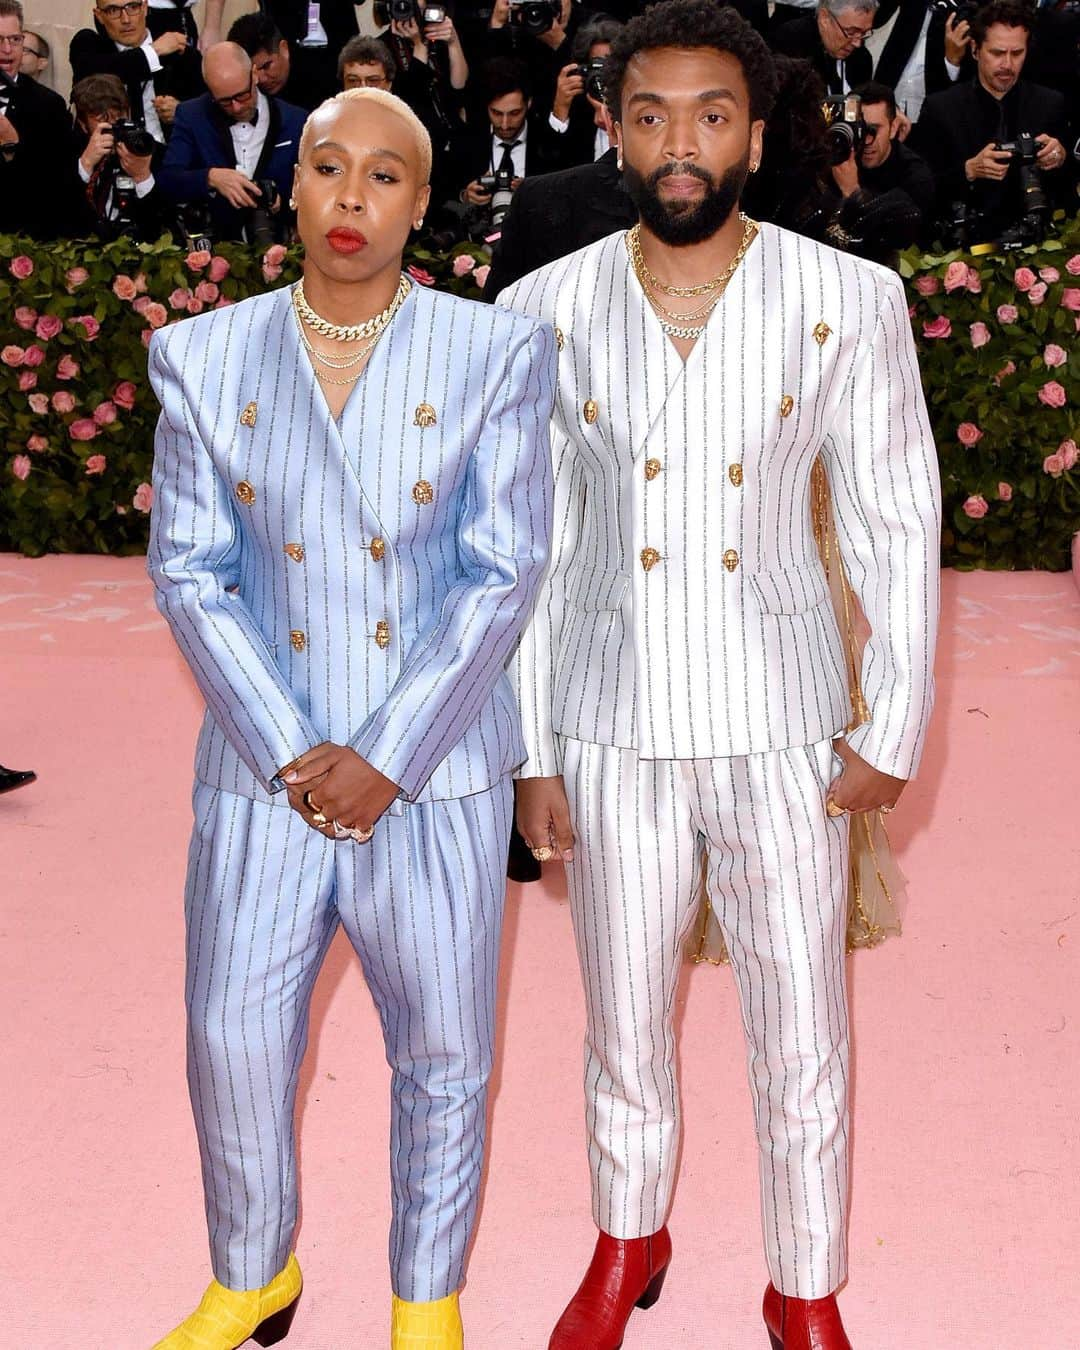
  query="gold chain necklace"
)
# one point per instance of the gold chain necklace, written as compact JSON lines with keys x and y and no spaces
{"x":356,"y":332}
{"x":333,"y":364}
{"x":633,"y":244}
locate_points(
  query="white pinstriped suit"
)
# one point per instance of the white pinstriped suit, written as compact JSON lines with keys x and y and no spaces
{"x":316,"y":597}
{"x":689,"y":699}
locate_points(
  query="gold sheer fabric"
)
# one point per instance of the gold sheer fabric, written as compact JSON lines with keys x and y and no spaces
{"x":876,"y":885}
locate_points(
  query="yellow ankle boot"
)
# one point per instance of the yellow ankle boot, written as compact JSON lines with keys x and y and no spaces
{"x":426,"y":1326}
{"x":227,"y":1317}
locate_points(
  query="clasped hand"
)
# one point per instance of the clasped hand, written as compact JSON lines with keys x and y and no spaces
{"x":340,"y":785}
{"x":861,"y":787}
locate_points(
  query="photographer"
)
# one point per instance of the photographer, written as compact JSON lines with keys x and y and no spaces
{"x":115,"y":165}
{"x":233,"y":152}
{"x":269,"y":53}
{"x":927,"y":51}
{"x":537,"y":33}
{"x":578,"y":115}
{"x":832,"y":39}
{"x":996,"y":142}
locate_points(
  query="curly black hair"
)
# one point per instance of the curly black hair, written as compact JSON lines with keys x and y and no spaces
{"x":691,"y":24}
{"x":1011,"y":13}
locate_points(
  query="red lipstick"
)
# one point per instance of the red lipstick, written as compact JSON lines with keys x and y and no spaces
{"x":344,"y":240}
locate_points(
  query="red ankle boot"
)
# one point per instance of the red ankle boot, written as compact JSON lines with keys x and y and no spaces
{"x":624,"y":1274}
{"x":803,"y":1323}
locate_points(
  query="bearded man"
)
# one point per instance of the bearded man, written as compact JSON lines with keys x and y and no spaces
{"x":682,"y":682}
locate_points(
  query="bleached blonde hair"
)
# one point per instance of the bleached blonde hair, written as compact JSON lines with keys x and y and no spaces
{"x":381,"y":98}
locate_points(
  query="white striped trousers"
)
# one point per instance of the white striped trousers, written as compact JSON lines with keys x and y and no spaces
{"x":778,"y":882}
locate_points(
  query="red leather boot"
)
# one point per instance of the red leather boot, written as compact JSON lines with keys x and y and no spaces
{"x":624,"y":1274}
{"x":803,"y":1323}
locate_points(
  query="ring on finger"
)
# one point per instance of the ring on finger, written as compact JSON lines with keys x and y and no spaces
{"x":886,"y":809}
{"x":833,"y":809}
{"x":361,"y":835}
{"x":340,"y":832}
{"x":543,"y":854}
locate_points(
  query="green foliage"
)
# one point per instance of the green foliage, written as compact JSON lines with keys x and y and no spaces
{"x":77,"y":421}
{"x":1012,"y":492}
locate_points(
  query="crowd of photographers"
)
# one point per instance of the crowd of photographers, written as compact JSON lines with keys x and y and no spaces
{"x":963,"y":130}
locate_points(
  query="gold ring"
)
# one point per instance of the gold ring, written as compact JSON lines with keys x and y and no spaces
{"x":832,"y":809}
{"x":319,"y":819}
{"x":544,"y":853}
{"x":340,"y":832}
{"x":361,"y":835}
{"x":886,"y":809}
{"x":306,"y":799}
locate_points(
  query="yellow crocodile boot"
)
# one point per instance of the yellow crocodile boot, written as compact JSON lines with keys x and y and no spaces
{"x":226,"y":1318}
{"x":426,"y":1326}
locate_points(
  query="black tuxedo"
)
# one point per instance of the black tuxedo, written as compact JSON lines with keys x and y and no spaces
{"x":94,"y":53}
{"x":38,"y":184}
{"x":556,"y":214}
{"x":801,"y":38}
{"x":901,"y":43}
{"x":476,"y":149}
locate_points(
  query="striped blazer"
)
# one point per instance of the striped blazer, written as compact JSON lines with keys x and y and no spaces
{"x":686,"y":612}
{"x":361,"y":581}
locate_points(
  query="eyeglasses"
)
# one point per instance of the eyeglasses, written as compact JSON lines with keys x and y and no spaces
{"x":128,"y":11}
{"x":15,"y":40}
{"x":852,"y":34}
{"x":228,"y":99}
{"x":33,"y":51}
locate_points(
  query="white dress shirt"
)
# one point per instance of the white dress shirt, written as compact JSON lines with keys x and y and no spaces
{"x":248,"y":138}
{"x":517,"y":154}
{"x":601,"y":141}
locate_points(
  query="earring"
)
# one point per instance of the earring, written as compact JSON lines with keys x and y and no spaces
{"x":618,"y":162}
{"x":417,"y":223}
{"x":292,"y":203}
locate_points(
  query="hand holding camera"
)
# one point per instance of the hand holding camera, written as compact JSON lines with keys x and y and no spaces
{"x":957,"y":38}
{"x":569,"y":84}
{"x":98,"y":147}
{"x":1051,"y":153}
{"x":137,"y":167}
{"x":991,"y":162}
{"x":236,"y":187}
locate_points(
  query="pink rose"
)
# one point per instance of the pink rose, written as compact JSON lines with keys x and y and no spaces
{"x":39,"y":403}
{"x":142,"y":304}
{"x":27,"y":380}
{"x":124,"y":287}
{"x":105,"y":413}
{"x":140,"y":282}
{"x":207,"y":292}
{"x":1073,"y":265}
{"x":956,"y":275}
{"x":66,"y":368}
{"x":26,"y":317}
{"x":973,"y":283}
{"x":157,"y":316}
{"x":124,"y":394}
{"x":1052,"y":394}
{"x":195,"y":305}
{"x":33,"y":356}
{"x":936,"y":328}
{"x":63,"y":401}
{"x":83,"y":429}
{"x":96,"y":464}
{"x":1004,"y":492}
{"x":22,"y":266}
{"x":12,"y":356}
{"x":1049,"y":275}
{"x":421,"y":275}
{"x":927,"y":285}
{"x":146,"y":335}
{"x":1069,"y":453}
{"x":48,"y":326}
{"x":1055,"y":355}
{"x":1037,"y":294}
{"x":198,"y":260}
{"x":980,"y":335}
{"x":270,"y":272}
{"x":1024,"y":278}
{"x":180,"y":297}
{"x":74,"y":277}
{"x":144,"y":497}
{"x":967,"y":433}
{"x":20,"y":467}
{"x":480,"y":276}
{"x":464,"y":263}
{"x":1007,"y":313}
{"x":223,"y":303}
{"x":90,"y":326}
{"x":37,"y":444}
{"x":1070,"y":297}
{"x":976,"y":507}
{"x":275,"y":255}
{"x":911,"y":309}
{"x":1054,"y":465}
{"x":121,"y":510}
{"x":219,"y":268}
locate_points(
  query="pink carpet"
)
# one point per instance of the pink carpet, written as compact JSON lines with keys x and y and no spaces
{"x":966,"y":1212}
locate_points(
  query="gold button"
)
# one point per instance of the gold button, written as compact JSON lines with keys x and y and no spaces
{"x":245,"y":492}
{"x":787,"y":403}
{"x":424,"y":415}
{"x":591,"y":411}
{"x":560,"y":339}
{"x":731,"y":560}
{"x":382,"y":634}
{"x":247,"y":417}
{"x":735,"y":474}
{"x":378,"y":549}
{"x":295,"y":552}
{"x":652,"y":469}
{"x":423,"y":494}
{"x":297,"y":639}
{"x":649,"y":558}
{"x":822,"y":332}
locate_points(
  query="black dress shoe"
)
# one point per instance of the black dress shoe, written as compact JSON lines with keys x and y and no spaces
{"x":10,"y":779}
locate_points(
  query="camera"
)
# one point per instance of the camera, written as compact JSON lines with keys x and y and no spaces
{"x":263,"y":230}
{"x":134,"y":135}
{"x":193,"y":221}
{"x":500,"y":185}
{"x":962,"y":10}
{"x":845,"y":130}
{"x":534,"y":16}
{"x":432,"y":13}
{"x":1034,"y":218}
{"x":592,"y":72}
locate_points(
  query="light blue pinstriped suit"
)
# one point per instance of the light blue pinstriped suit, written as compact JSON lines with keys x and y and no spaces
{"x":280,"y":552}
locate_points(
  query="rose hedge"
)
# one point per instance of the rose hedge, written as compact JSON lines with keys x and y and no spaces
{"x":996,"y":335}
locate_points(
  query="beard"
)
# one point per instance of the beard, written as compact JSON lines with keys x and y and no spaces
{"x":680,"y":223}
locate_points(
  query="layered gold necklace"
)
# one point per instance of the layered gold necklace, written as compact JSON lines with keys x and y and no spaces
{"x":683,"y":325}
{"x":367,"y":332}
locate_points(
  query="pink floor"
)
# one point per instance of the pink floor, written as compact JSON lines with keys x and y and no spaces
{"x":966,"y":1211}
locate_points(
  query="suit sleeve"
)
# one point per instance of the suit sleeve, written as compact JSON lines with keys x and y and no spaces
{"x":184,"y":176}
{"x":91,"y":54}
{"x":194,"y":558}
{"x":883,"y":469}
{"x":503,"y":530}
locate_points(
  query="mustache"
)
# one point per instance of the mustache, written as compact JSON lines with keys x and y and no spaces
{"x":680,"y":169}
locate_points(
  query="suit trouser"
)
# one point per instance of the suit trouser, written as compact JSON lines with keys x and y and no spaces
{"x":778,"y":882}
{"x":422,"y":906}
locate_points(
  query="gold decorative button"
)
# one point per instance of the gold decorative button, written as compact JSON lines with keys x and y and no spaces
{"x":245,"y":492}
{"x":560,"y":339}
{"x":247,"y":417}
{"x":649,"y":558}
{"x":822,"y":333}
{"x":382,"y":634}
{"x":378,"y":549}
{"x":731,"y":559}
{"x":424,"y":416}
{"x":787,"y":404}
{"x":652,"y":469}
{"x":423,"y":494}
{"x":297,"y":639}
{"x":735,"y":473}
{"x":591,"y":411}
{"x":295,"y":552}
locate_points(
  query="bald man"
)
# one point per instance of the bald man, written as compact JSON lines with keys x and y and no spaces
{"x":234,"y":151}
{"x":352,"y":506}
